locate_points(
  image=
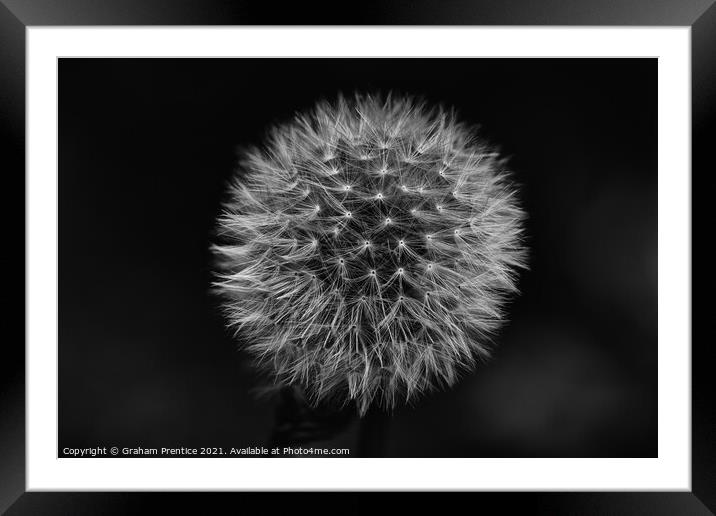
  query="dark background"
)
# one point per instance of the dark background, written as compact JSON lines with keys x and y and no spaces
{"x":146,"y":147}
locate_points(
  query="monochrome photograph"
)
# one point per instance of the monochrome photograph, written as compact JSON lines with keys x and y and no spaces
{"x":357,"y":257}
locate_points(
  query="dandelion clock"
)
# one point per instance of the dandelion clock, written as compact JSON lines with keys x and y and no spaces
{"x":366,"y":250}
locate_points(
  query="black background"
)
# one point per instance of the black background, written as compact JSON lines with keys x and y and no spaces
{"x":146,"y":147}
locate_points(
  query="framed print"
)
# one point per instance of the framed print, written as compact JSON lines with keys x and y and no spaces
{"x":390,"y":256}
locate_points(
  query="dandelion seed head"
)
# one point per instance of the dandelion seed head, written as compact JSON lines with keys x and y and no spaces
{"x":307,"y":216}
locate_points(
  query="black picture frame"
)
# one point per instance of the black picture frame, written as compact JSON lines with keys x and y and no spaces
{"x":17,"y":15}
